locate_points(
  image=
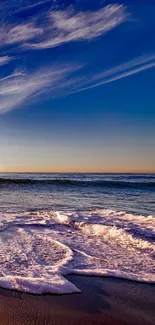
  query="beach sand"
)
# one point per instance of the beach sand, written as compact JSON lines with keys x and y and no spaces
{"x":102,"y":301}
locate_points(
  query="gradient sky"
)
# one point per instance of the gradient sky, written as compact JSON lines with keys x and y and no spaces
{"x":77,"y":85}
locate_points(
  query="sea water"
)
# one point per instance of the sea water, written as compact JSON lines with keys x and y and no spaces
{"x":52,"y":225}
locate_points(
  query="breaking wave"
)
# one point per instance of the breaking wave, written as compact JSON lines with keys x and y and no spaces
{"x":39,"y":248}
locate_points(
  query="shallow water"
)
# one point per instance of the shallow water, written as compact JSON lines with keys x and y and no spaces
{"x":57,"y":224}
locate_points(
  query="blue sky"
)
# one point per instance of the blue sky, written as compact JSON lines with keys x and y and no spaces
{"x":77,"y":85}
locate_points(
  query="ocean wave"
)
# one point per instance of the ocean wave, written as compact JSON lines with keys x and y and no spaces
{"x":39,"y":248}
{"x":77,"y":182}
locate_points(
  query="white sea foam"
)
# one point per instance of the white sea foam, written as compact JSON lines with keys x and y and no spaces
{"x":38,"y":249}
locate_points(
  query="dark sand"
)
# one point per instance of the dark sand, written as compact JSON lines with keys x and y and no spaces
{"x":102,"y":301}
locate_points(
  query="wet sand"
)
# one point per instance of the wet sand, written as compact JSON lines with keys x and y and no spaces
{"x":102,"y":301}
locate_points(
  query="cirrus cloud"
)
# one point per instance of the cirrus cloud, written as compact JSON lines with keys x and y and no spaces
{"x":115,"y":73}
{"x":13,"y":34}
{"x":5,"y":59}
{"x":67,"y":26}
{"x":21,"y":86}
{"x":61,"y":80}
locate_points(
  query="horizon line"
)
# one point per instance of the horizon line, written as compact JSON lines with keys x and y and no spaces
{"x":76,"y":172}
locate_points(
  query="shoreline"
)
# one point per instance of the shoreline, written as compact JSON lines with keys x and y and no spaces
{"x":103,"y":300}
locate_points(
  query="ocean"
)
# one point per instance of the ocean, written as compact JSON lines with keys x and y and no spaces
{"x":52,"y":225}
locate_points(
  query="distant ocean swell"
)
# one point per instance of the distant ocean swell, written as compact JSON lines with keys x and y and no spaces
{"x":82,"y":183}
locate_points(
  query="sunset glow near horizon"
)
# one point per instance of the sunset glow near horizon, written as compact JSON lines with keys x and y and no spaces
{"x":77,"y":86}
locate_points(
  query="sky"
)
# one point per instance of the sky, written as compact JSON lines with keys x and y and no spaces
{"x":77,"y":85}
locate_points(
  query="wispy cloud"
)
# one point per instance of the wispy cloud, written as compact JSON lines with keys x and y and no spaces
{"x":5,"y":59}
{"x":13,"y":34}
{"x":116,"y":73}
{"x":53,"y":28}
{"x":68,"y":26}
{"x":33,"y":5}
{"x":21,"y":86}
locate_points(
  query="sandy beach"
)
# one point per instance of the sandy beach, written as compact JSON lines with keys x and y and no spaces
{"x":102,"y":301}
